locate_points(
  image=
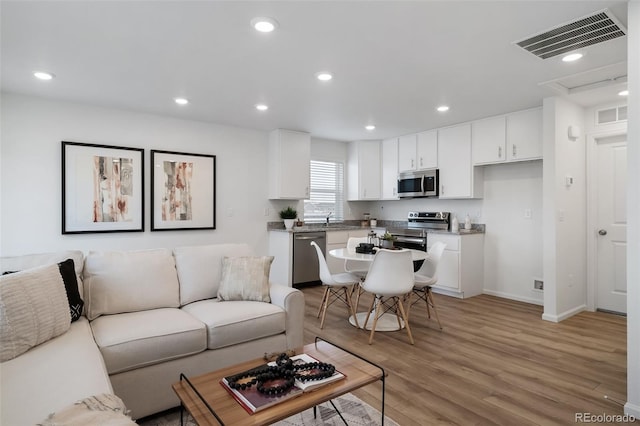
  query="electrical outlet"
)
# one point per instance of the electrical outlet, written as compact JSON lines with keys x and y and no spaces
{"x":538,"y":285}
{"x":266,"y":211}
{"x":527,"y":213}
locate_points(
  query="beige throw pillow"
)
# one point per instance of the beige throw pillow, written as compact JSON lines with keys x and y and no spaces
{"x":245,"y":278}
{"x":33,"y":309}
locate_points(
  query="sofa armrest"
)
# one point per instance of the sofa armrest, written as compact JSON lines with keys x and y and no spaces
{"x":292,"y":301}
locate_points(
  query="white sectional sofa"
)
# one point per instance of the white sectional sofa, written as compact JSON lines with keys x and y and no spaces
{"x":149,"y":315}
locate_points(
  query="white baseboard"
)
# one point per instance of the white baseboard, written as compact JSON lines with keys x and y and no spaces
{"x":513,"y":297}
{"x":632,"y":410}
{"x":564,"y":315}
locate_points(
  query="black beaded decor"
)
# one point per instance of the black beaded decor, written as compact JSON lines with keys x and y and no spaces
{"x":285,"y":372}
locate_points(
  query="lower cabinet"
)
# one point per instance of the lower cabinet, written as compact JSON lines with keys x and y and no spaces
{"x":461,"y":269}
{"x":337,"y":240}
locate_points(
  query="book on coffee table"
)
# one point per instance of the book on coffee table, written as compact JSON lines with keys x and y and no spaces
{"x":252,"y":400}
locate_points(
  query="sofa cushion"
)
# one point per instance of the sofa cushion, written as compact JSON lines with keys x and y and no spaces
{"x":230,"y":323}
{"x":137,"y":339}
{"x":245,"y":278}
{"x":200,"y":269}
{"x":51,"y":376}
{"x":33,"y":309}
{"x":129,"y":281}
{"x":29,"y":261}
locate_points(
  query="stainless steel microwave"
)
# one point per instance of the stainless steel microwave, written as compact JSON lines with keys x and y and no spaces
{"x":418,"y":184}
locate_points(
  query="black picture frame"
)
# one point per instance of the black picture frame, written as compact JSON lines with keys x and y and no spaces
{"x":183,"y":191}
{"x":102,"y":188}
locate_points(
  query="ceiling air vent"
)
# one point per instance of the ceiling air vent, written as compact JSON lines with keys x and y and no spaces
{"x":589,"y":30}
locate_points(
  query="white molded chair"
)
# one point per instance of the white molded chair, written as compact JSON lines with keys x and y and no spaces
{"x":390,"y":279}
{"x":425,"y":277}
{"x":338,"y":287}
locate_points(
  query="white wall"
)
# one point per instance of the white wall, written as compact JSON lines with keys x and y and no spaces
{"x":31,"y":132}
{"x":564,"y":211}
{"x":633,"y":231}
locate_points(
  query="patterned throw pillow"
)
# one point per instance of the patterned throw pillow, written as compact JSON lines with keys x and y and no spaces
{"x":34,"y":310}
{"x":245,"y":278}
{"x":68,"y":272}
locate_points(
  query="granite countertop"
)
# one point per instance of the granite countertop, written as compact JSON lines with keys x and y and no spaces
{"x":349,"y":225}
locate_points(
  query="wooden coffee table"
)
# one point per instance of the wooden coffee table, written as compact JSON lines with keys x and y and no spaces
{"x":210,"y":404}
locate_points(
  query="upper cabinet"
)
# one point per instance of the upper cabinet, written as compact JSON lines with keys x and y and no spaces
{"x":389,"y":160}
{"x":418,"y":151}
{"x":458,"y":177}
{"x":524,"y":135}
{"x":363,"y":170}
{"x":512,"y":137}
{"x":289,"y":158}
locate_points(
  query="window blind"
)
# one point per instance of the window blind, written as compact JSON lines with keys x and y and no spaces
{"x":326,"y":192}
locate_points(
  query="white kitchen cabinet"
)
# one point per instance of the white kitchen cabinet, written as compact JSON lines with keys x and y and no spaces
{"x":458,"y":178}
{"x":461,"y":268}
{"x":289,"y":159}
{"x":488,"y":140}
{"x":337,"y":240}
{"x":363,"y":171}
{"x":418,"y":151}
{"x":524,"y":135}
{"x":427,"y":150}
{"x":507,"y":138}
{"x":389,"y":160}
{"x":407,"y":153}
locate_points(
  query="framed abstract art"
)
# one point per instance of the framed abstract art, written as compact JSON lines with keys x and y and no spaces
{"x":183,"y":191}
{"x":102,"y":188}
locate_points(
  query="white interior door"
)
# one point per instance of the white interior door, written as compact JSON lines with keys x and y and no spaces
{"x":611,"y":225}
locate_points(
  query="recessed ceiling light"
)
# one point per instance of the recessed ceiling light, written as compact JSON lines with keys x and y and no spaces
{"x":370,"y":127}
{"x":443,"y":108}
{"x":181,"y":101}
{"x":264,"y":25}
{"x":324,"y":76}
{"x":262,"y":107}
{"x":624,"y":93}
{"x":572,"y":57}
{"x":43,"y":75}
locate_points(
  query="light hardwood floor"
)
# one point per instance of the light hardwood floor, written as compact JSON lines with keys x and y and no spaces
{"x":495,"y":362}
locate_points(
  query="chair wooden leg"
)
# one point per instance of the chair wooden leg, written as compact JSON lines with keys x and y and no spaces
{"x":408,"y":300}
{"x":375,"y":318}
{"x":396,"y":300}
{"x":326,"y":305}
{"x":347,"y":295}
{"x":358,"y":290}
{"x":324,"y":298}
{"x":406,"y":322}
{"x":435,"y":311}
{"x":364,"y":327}
{"x":426,"y":301}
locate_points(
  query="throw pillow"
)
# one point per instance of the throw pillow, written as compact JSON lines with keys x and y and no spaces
{"x":68,"y":272}
{"x":33,"y":309}
{"x":245,"y":278}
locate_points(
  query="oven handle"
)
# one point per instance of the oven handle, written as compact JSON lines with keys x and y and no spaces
{"x":416,"y":240}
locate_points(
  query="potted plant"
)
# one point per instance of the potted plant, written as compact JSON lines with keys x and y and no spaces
{"x":288,"y":215}
{"x":386,"y":241}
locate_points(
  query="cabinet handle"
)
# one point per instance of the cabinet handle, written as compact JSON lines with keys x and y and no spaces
{"x":442,"y":189}
{"x":412,"y":166}
{"x":421,"y":163}
{"x":499,"y":152}
{"x":514,"y":150}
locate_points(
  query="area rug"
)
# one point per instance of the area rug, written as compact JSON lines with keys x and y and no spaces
{"x":355,"y":411}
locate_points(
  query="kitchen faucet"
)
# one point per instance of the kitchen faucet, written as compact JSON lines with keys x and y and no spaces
{"x":328,"y":216}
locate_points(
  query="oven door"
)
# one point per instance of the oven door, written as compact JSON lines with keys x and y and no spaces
{"x":410,"y":185}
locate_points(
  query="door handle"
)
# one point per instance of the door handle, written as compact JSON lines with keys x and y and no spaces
{"x":602,"y":232}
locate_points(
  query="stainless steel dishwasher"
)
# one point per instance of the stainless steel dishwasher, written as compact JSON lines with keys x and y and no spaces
{"x":305,"y":259}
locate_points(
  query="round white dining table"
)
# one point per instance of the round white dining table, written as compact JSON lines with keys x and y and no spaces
{"x":388,"y":321}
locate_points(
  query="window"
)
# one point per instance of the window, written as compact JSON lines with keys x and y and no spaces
{"x":327,"y":192}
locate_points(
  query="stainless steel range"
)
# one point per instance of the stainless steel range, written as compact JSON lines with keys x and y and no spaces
{"x":414,"y":235}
